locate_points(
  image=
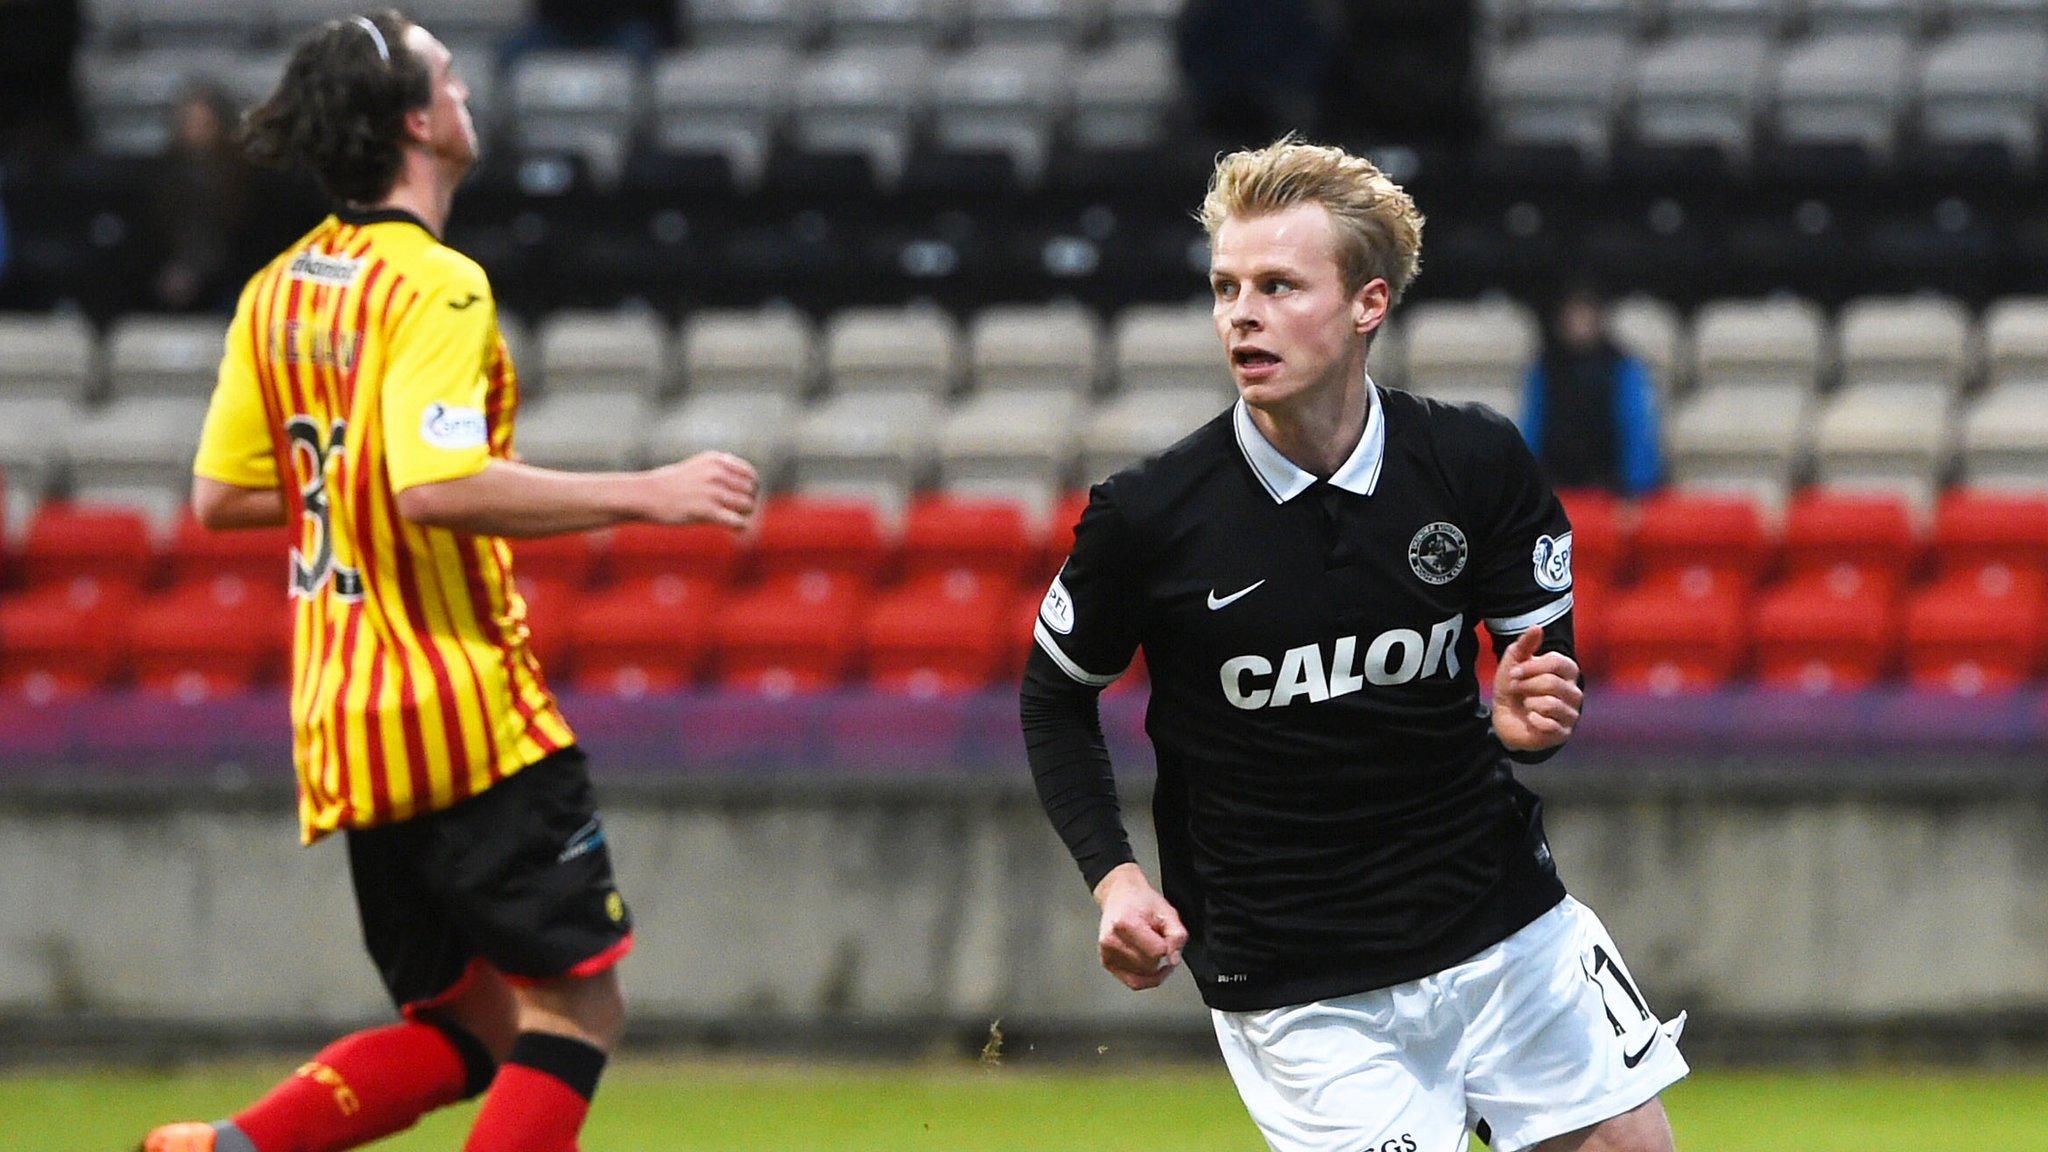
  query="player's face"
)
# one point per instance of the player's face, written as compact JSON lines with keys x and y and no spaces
{"x":1288,"y":326}
{"x":450,"y":133}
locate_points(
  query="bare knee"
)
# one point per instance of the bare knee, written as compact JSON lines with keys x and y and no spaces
{"x":1641,"y":1129}
{"x":589,"y":1008}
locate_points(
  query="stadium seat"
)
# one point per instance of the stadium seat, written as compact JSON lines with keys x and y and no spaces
{"x":1471,"y":352}
{"x":1564,"y":17}
{"x":892,"y":350}
{"x":259,"y":556}
{"x":1781,"y":343}
{"x":2003,"y":439}
{"x":579,"y":103}
{"x":1002,"y":98}
{"x":585,"y":431}
{"x":62,"y":640}
{"x":784,"y":637}
{"x":33,"y":432}
{"x":136,"y":452}
{"x":1900,"y":17}
{"x":1670,"y":638}
{"x":128,"y":95}
{"x":863,"y":99}
{"x":752,"y":23}
{"x":549,"y":604}
{"x":945,"y":537}
{"x":1035,"y":348}
{"x":1561,"y":89}
{"x":802,"y":537}
{"x":1651,"y":329}
{"x":1978,"y":633}
{"x":78,"y":543}
{"x":622,"y":352}
{"x":1601,"y":525}
{"x":889,"y":23}
{"x":1166,"y":346}
{"x":2016,"y":342}
{"x":1985,"y":87}
{"x":1844,"y":88}
{"x":1065,"y":22}
{"x":1706,"y":88}
{"x":210,"y":638}
{"x":1128,"y":428}
{"x":1123,"y":92}
{"x":650,"y":634}
{"x":1726,"y":16}
{"x":1999,"y":16}
{"x":164,"y":356}
{"x":1825,"y":636}
{"x":1909,"y":341}
{"x":923,"y":640}
{"x":869,"y":446}
{"x":1979,"y":530}
{"x":570,"y":559}
{"x":726,"y":98}
{"x":1849,"y":541}
{"x":1740,"y":439}
{"x":51,"y":357}
{"x":768,"y":351}
{"x":1886,"y":437}
{"x":697,"y":553}
{"x":1700,"y":543}
{"x":754,"y":425}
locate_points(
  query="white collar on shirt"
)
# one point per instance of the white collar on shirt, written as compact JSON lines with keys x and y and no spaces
{"x":1284,"y":480}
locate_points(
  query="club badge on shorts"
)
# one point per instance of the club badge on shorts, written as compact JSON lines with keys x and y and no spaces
{"x":1437,"y":554}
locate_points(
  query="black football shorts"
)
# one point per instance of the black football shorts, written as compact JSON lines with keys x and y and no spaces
{"x":518,"y":877}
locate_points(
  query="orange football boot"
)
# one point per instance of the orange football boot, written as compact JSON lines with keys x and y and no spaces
{"x":189,"y":1136}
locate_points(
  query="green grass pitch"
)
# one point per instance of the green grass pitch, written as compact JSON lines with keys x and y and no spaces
{"x":657,"y":1105}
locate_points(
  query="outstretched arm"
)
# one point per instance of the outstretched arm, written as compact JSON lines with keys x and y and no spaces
{"x":508,"y":498}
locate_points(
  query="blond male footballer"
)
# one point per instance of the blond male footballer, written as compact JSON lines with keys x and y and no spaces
{"x":1349,"y":869}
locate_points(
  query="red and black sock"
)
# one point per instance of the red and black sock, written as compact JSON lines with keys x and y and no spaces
{"x":367,"y":1086}
{"x":540,"y":1097}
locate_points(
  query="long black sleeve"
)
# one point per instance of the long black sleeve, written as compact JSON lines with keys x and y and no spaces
{"x":1070,"y":766}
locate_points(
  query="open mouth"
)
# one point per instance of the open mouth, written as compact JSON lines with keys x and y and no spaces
{"x":1253,"y":358}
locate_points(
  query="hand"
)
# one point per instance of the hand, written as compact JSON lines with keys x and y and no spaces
{"x":1536,"y":698}
{"x":1141,"y":935}
{"x":708,"y":488}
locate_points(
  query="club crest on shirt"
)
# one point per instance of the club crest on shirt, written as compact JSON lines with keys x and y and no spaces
{"x":1438,"y":552}
{"x":1553,"y":560}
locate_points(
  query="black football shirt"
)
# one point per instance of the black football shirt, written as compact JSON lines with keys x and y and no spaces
{"x":1334,"y":811}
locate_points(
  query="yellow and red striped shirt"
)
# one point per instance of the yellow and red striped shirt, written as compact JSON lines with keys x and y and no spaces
{"x":363,"y":361}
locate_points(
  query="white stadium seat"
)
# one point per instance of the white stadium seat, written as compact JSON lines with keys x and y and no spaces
{"x":1772,"y":343}
{"x":1472,"y":352}
{"x":1013,"y":444}
{"x":2016,"y":341}
{"x":770,"y":351}
{"x":1035,"y":348}
{"x":1122,"y":94}
{"x":753,"y":425}
{"x":892,"y":350}
{"x":1847,"y":88}
{"x":165,"y":355}
{"x":1704,"y":88}
{"x":586,"y":104}
{"x":1002,"y":98}
{"x":50,"y":356}
{"x":1563,"y":89}
{"x":1986,"y":86}
{"x":724,"y":100}
{"x":1888,"y":437}
{"x":1167,"y":346}
{"x":864,"y":99}
{"x":603,"y":352}
{"x":1128,"y":428}
{"x":1906,"y":340}
{"x":585,"y":431}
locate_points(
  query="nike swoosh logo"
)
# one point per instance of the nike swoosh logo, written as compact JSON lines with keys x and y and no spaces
{"x":473,"y":298}
{"x":1216,"y":602}
{"x":1631,"y":1060}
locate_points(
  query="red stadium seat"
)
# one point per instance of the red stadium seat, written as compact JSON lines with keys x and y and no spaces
{"x":1669,"y":638}
{"x":261,"y":556}
{"x":696,"y":552}
{"x":801,"y":534}
{"x":548,"y":607}
{"x":1975,"y":530}
{"x":1832,"y":538}
{"x":570,"y":559}
{"x":1059,"y":536}
{"x":1978,"y":632}
{"x":647,"y":635}
{"x":210,"y":638}
{"x":61,"y":641}
{"x":1600,"y":523}
{"x":69,"y":542}
{"x":793,"y":635}
{"x":1590,"y":599}
{"x":922,"y":643}
{"x":988,"y":538}
{"x":1700,"y":543}
{"x":1827,"y":635}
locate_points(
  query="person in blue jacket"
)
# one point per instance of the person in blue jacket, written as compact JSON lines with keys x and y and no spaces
{"x":1589,"y":410}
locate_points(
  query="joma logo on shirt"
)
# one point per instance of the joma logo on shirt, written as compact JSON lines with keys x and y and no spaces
{"x":1396,"y":656}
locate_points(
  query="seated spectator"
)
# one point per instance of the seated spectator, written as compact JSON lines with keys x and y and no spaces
{"x":1589,"y":410}
{"x":197,"y":204}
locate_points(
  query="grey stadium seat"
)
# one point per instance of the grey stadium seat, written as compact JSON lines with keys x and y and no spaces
{"x":1035,"y":348}
{"x":1126,"y":429}
{"x":136,"y":451}
{"x":1773,"y":343}
{"x":469,"y":20}
{"x":2004,"y":439}
{"x":1986,"y":86}
{"x":1122,"y":94}
{"x":755,"y":23}
{"x":1561,"y":90}
{"x":189,"y":23}
{"x":128,"y":96}
{"x":728,"y":100}
{"x":771,"y":351}
{"x":892,"y":350}
{"x":1032,"y":21}
{"x":1998,"y":15}
{"x":584,"y":103}
{"x":755,"y":425}
{"x":33,"y":432}
{"x":1727,"y":16}
{"x":1906,"y":341}
{"x":1014,"y":445}
{"x":890,"y":23}
{"x":1744,"y":439}
{"x":1141,"y":19}
{"x":874,"y":446}
{"x":864,"y":99}
{"x":1892,"y":438}
{"x":1703,"y":88}
{"x":164,"y":356}
{"x":1653,"y":331}
{"x":47,"y":356}
{"x":1167,"y":347}
{"x":1897,"y":16}
{"x":623,"y":352}
{"x":1472,"y":352}
{"x":1846,"y":88}
{"x":1619,"y":17}
{"x":2016,"y":341}
{"x":1004,"y":98}
{"x":585,"y":431}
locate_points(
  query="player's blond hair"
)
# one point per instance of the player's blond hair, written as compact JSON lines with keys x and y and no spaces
{"x":1379,"y":230}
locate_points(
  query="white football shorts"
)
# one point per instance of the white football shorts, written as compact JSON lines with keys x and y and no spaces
{"x":1542,"y":1034}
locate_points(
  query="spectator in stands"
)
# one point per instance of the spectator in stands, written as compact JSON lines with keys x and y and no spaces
{"x":197,"y":203}
{"x":1589,"y":411}
{"x":639,"y":28}
{"x":1257,"y":68}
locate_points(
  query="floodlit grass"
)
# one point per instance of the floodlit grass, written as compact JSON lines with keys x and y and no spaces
{"x":657,"y":1105}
